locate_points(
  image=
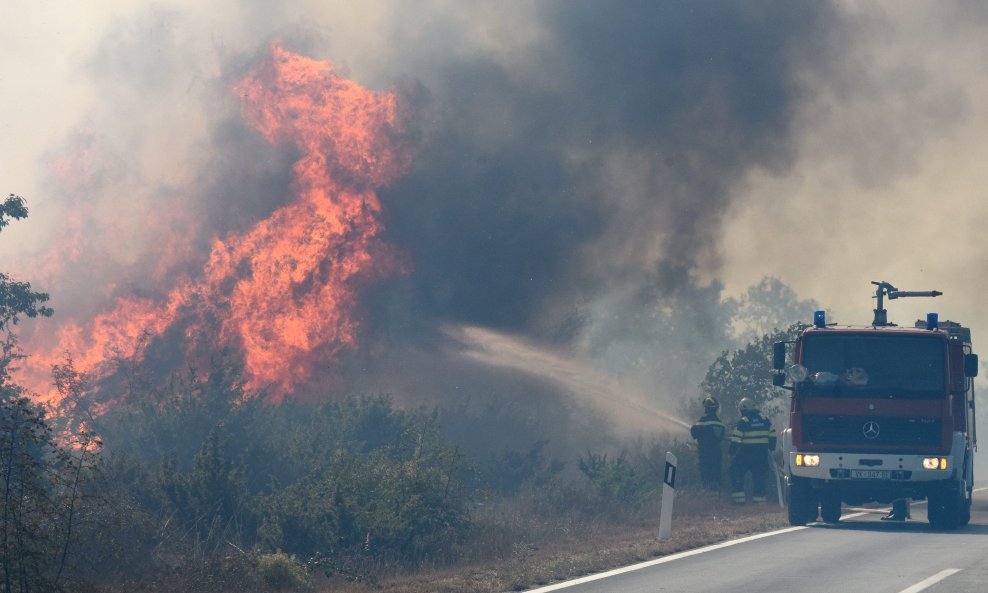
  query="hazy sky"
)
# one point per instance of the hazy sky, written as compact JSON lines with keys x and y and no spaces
{"x":567,"y":149}
{"x":888,"y":182}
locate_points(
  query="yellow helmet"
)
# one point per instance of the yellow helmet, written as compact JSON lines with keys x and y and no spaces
{"x":710,"y":403}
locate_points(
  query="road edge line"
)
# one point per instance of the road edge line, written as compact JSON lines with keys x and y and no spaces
{"x":685,"y":554}
{"x":662,"y":560}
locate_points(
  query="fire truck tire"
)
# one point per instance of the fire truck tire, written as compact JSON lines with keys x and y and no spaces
{"x":968,"y":496}
{"x":965,"y":517}
{"x":945,"y":508}
{"x":802,"y":506}
{"x":830,"y":507}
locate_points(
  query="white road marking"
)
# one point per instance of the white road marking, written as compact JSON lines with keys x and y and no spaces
{"x":670,"y":558}
{"x":662,"y":560}
{"x":864,"y":511}
{"x":603,"y":575}
{"x":931,"y":580}
{"x":852,"y":516}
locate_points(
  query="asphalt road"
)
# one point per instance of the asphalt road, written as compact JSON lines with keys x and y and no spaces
{"x":859,"y":554}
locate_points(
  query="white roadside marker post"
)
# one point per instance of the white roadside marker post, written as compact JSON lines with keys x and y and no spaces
{"x":668,"y":494}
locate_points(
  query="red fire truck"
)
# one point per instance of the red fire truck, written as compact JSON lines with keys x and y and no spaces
{"x":880,"y":413}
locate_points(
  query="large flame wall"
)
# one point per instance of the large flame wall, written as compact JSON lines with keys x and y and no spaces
{"x":285,"y":292}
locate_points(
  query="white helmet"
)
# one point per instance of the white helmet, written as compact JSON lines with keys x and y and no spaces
{"x":747,"y":405}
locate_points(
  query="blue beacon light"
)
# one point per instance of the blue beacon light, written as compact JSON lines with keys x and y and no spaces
{"x":820,"y":319}
{"x":932,"y":321}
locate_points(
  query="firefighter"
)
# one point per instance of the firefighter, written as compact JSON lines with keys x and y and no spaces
{"x":709,"y":433}
{"x":899,"y":510}
{"x":751,"y":442}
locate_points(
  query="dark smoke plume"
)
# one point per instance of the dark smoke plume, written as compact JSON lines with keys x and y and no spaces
{"x":605,"y":150}
{"x":572,"y":161}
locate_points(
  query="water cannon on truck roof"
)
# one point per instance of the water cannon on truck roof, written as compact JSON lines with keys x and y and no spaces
{"x":884,"y":288}
{"x":880,"y":413}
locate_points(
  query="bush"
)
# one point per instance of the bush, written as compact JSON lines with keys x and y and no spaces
{"x":402,"y":502}
{"x":45,"y":498}
{"x":356,"y":478}
{"x":615,"y":483}
{"x":280,"y":572}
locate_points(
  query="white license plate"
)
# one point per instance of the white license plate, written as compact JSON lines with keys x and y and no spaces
{"x":871,"y":474}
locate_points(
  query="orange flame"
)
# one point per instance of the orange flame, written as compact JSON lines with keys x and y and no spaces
{"x":285,"y":291}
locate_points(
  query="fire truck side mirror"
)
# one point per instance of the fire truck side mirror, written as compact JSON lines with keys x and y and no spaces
{"x":779,"y":356}
{"x":778,"y":379}
{"x":970,"y":365}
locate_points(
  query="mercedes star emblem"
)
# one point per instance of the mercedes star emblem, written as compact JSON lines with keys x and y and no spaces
{"x":871,"y":430}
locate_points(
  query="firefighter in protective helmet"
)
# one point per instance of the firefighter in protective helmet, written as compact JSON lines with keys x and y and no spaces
{"x":709,"y":433}
{"x":751,"y":442}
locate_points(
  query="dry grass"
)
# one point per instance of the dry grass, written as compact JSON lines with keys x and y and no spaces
{"x":568,"y":549}
{"x":513,"y":549}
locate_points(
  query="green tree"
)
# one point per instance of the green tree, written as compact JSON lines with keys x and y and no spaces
{"x":615,"y":483}
{"x":24,"y":544}
{"x":211,"y":499}
{"x":661,"y":332}
{"x":747,"y":372}
{"x":766,"y":308}
{"x":40,"y":481}
{"x":17,"y":298}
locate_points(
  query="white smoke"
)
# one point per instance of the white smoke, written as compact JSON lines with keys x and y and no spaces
{"x":886,"y":181}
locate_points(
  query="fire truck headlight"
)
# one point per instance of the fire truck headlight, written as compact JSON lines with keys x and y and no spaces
{"x":807,"y":460}
{"x":797,"y":373}
{"x":935,"y":463}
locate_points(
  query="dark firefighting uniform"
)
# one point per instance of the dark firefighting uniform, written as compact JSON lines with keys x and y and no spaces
{"x":709,"y":433}
{"x":751,"y":441}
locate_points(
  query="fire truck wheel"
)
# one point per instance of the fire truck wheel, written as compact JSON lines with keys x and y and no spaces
{"x":830,"y":507}
{"x":968,"y":496}
{"x":945,"y":508}
{"x":965,"y":515}
{"x":803,"y":506}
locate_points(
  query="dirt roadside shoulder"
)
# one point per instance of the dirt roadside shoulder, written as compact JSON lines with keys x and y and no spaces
{"x":576,"y":552}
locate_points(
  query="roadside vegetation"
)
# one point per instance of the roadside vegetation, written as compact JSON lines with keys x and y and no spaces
{"x":349,"y":496}
{"x":191,"y":492}
{"x":188,"y":483}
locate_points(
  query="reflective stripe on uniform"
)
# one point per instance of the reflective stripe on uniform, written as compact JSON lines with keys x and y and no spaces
{"x":753,"y":437}
{"x":738,"y":496}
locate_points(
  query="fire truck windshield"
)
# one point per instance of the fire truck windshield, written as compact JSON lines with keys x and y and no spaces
{"x":880,"y":366}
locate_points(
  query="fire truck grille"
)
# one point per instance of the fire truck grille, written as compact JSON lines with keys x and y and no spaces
{"x":872,"y":432}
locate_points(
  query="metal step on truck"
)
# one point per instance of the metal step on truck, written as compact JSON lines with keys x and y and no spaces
{"x":879,"y":413}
